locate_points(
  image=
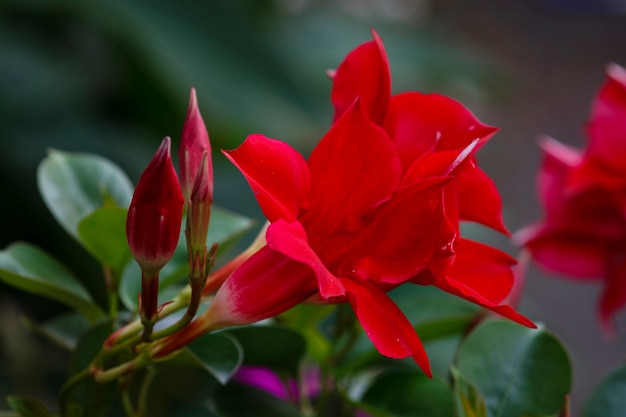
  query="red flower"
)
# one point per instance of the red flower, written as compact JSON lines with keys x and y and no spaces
{"x":436,"y":135}
{"x":153,"y":223}
{"x":342,"y":228}
{"x":377,"y":204}
{"x":583,"y":194}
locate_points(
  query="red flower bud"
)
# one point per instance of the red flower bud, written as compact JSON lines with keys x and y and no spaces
{"x":199,"y":213}
{"x":194,"y":142}
{"x":155,"y":213}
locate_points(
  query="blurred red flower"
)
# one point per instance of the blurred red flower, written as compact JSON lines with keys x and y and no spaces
{"x":583,"y":193}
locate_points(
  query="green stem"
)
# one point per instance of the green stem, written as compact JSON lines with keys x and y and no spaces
{"x":144,"y":392}
{"x":129,"y":335}
{"x":194,"y":303}
{"x":126,"y":400}
{"x":124,"y":369}
{"x":111,"y":282}
{"x":345,"y":331}
{"x":70,"y":386}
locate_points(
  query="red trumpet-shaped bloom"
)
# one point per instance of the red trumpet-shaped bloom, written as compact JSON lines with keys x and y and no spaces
{"x":342,"y":228}
{"x":377,"y":204}
{"x":583,"y":233}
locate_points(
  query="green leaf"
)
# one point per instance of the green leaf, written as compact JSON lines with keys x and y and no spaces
{"x":89,"y":345}
{"x":519,"y":371}
{"x":609,"y":397}
{"x":74,"y":185}
{"x":275,"y":347}
{"x":175,"y":390}
{"x":236,"y":400}
{"x":225,"y":227}
{"x":63,"y":330}
{"x":444,"y":327}
{"x":219,"y":354}
{"x":103,"y":234}
{"x":27,"y":407}
{"x":427,"y":303}
{"x":306,"y":319}
{"x":411,"y":394}
{"x":28,"y":268}
{"x":96,"y":398}
{"x":469,"y":401}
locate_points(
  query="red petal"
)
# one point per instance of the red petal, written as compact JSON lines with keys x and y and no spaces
{"x":290,"y":239}
{"x":566,"y":251}
{"x":459,"y":289}
{"x":385,"y":324}
{"x":363,"y":74}
{"x":420,"y":123}
{"x":552,"y":180}
{"x":403,"y":236}
{"x":484,"y":269}
{"x":613,"y":298}
{"x":439,"y":164}
{"x":277,"y":174}
{"x":267,"y":284}
{"x":354,"y":169}
{"x":607,"y":129}
{"x":479,"y":200}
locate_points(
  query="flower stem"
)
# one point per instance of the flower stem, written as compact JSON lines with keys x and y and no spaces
{"x":124,"y":369}
{"x":126,"y":400}
{"x":70,"y":386}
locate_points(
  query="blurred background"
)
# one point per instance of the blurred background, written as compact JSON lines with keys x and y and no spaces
{"x":112,"y":77}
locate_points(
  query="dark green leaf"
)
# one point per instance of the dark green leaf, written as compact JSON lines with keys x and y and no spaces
{"x":177,"y":390}
{"x":27,"y":407}
{"x":236,"y":400}
{"x":469,"y":401}
{"x":444,"y":327}
{"x":219,"y":354}
{"x":28,"y":268}
{"x":426,"y":304}
{"x":275,"y":347}
{"x":89,"y":345}
{"x":103,"y":234}
{"x":63,"y":330}
{"x":95,"y":397}
{"x":609,"y":397}
{"x":519,"y":371}
{"x":411,"y":394}
{"x":225,"y":227}
{"x":306,"y":319}
{"x":74,"y":185}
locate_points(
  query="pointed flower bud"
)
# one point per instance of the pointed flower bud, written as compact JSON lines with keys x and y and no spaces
{"x":155,"y":213}
{"x":199,"y":212}
{"x":194,"y":143}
